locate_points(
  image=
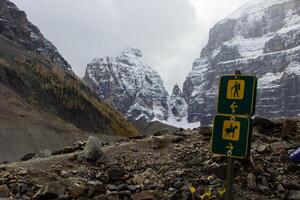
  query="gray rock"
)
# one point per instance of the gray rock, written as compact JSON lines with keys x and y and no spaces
{"x":251,"y":181}
{"x":280,"y":188}
{"x":101,"y":197}
{"x":114,"y":172}
{"x":264,"y":126}
{"x":51,"y":191}
{"x":294,"y":195}
{"x":77,"y":191}
{"x":133,"y":187}
{"x":4,"y":191}
{"x":280,"y":145}
{"x":161,"y":132}
{"x":144,"y":195}
{"x":28,"y":156}
{"x":92,"y":149}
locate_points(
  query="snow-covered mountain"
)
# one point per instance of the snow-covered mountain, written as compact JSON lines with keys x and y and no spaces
{"x":261,"y":38}
{"x":130,"y":85}
{"x":177,"y":104}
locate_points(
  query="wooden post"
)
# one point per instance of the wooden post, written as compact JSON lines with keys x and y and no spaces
{"x":229,"y":169}
{"x":229,"y":179}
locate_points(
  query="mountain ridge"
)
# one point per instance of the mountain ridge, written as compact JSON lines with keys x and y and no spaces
{"x":130,"y":85}
{"x":265,"y":44}
{"x":43,"y":105}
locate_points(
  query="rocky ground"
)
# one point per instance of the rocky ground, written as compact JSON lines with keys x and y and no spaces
{"x":167,"y":166}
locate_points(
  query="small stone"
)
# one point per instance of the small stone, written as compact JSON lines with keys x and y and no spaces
{"x":133,"y":187}
{"x":23,"y":188}
{"x":4,"y":191}
{"x":3,"y":181}
{"x":157,"y":143}
{"x":114,"y":172}
{"x":263,"y":189}
{"x":137,"y":179}
{"x":63,"y":173}
{"x":51,"y":191}
{"x":68,"y":150}
{"x":280,"y":145}
{"x":5,"y":175}
{"x":96,"y":189}
{"x":123,"y":186}
{"x":262,"y":148}
{"x":251,"y":181}
{"x":265,"y":182}
{"x":101,"y":197}
{"x":23,"y":172}
{"x":112,"y":187}
{"x":28,"y":157}
{"x":161,"y":132}
{"x":280,"y":188}
{"x":77,"y":191}
{"x":144,"y":195}
{"x":206,"y":131}
{"x":294,"y":195}
{"x":64,"y":197}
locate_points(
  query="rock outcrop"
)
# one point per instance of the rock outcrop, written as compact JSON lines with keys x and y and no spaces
{"x":15,"y":26}
{"x":130,"y":85}
{"x":177,"y":104}
{"x":261,"y":38}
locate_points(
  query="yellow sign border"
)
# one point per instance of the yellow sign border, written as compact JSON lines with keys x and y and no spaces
{"x":253,"y":93}
{"x":247,"y":142}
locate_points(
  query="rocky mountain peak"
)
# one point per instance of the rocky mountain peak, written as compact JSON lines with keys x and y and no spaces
{"x":132,"y":51}
{"x":177,"y":104}
{"x":15,"y":27}
{"x":130,"y":85}
{"x":176,"y":90}
{"x":261,"y":38}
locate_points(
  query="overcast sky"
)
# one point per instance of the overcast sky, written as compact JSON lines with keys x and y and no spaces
{"x":170,"y":33}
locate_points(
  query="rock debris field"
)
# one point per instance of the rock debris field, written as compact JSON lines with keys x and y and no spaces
{"x":176,"y":165}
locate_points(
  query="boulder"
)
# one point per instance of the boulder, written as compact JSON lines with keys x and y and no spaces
{"x":92,"y":149}
{"x":264,"y":126}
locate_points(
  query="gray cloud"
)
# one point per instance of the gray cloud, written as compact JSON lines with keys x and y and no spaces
{"x":170,"y":33}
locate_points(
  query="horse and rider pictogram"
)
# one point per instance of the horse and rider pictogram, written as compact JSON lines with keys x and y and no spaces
{"x":235,"y":89}
{"x":231,"y":130}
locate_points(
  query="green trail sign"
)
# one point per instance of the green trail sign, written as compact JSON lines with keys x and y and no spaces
{"x":237,"y":95}
{"x":231,"y":135}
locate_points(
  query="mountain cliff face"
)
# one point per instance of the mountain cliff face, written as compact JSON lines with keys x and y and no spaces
{"x":131,"y":86}
{"x":43,"y":105}
{"x":177,"y":104}
{"x":261,"y":38}
{"x":15,"y":27}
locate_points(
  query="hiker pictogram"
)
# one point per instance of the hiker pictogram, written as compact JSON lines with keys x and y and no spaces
{"x":231,"y":130}
{"x":235,"y":89}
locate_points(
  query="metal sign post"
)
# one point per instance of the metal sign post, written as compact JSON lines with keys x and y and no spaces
{"x":232,"y":128}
